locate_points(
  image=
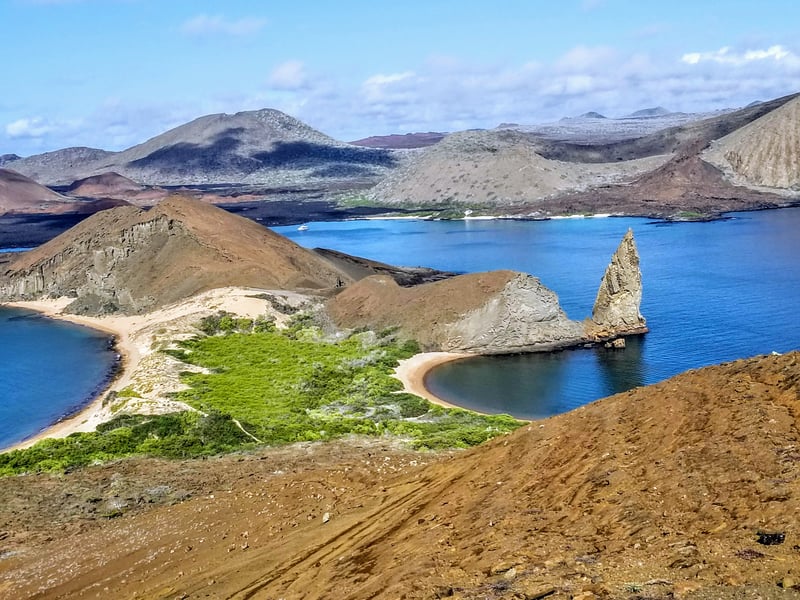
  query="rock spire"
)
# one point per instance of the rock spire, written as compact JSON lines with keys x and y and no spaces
{"x":616,"y":309}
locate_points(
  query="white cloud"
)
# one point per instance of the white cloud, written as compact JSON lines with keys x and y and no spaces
{"x":203,"y":25}
{"x":33,"y":127}
{"x":290,"y":75}
{"x":378,"y":88}
{"x":726,"y":56}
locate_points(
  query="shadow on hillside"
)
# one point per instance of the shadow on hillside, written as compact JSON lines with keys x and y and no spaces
{"x":223,"y":153}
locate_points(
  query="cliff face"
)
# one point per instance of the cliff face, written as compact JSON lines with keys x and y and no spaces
{"x":497,"y":312}
{"x":489,"y":313}
{"x":616,"y":309}
{"x":129,"y":260}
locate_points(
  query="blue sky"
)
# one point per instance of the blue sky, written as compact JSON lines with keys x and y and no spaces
{"x":113,"y":73}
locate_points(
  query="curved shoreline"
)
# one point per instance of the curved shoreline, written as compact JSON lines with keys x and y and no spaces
{"x":412,"y":373}
{"x":135,"y":336}
{"x":87,"y":416}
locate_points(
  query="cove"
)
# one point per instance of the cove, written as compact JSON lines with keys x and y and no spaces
{"x":49,"y":369}
{"x":713,"y":292}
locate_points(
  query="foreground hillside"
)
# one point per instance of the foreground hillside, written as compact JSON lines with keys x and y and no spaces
{"x":689,"y":488}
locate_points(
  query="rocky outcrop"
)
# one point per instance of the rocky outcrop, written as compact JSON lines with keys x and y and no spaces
{"x":616,"y":309}
{"x":487,"y":313}
{"x":498,"y":312}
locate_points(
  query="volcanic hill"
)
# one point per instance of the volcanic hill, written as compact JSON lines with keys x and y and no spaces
{"x":493,"y":168}
{"x":131,"y":260}
{"x":22,"y":195}
{"x":689,"y":489}
{"x":251,"y":147}
{"x":114,"y":185}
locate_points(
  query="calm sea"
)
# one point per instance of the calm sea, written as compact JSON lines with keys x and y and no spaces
{"x":48,"y":369}
{"x":713,"y":292}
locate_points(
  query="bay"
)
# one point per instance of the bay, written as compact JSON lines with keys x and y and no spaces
{"x":48,"y":369}
{"x":713,"y":292}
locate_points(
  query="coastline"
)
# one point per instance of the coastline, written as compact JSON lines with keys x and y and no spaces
{"x":412,"y":372}
{"x":137,"y":338}
{"x":90,"y":415}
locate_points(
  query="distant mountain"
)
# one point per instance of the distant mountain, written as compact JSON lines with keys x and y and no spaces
{"x":401,"y":141}
{"x":592,"y":115}
{"x":7,"y":158}
{"x":20,"y":194}
{"x":114,"y":185}
{"x":766,"y":152}
{"x":59,"y":167}
{"x":252,"y":147}
{"x":647,"y":113}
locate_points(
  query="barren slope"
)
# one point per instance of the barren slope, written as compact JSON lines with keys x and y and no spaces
{"x":497,"y":167}
{"x":660,"y":492}
{"x":23,"y":195}
{"x":766,"y":152}
{"x":132,"y":260}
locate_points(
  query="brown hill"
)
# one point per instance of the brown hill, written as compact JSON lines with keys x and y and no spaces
{"x":766,"y":152}
{"x":494,"y":168}
{"x":20,"y":194}
{"x":494,"y":312}
{"x":131,"y":260}
{"x":686,"y":489}
{"x":113,"y":185}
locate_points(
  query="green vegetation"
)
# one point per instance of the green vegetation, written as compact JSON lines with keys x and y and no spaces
{"x":277,"y":387}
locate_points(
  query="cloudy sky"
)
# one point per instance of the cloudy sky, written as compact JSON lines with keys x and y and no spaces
{"x":113,"y":73}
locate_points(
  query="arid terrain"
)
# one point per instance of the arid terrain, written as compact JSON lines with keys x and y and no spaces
{"x":686,"y":489}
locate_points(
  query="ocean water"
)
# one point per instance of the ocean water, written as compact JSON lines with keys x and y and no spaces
{"x":48,"y":369}
{"x":713,"y":292}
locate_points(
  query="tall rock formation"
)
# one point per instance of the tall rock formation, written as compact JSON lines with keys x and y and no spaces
{"x":499,"y":312}
{"x":616,"y":309}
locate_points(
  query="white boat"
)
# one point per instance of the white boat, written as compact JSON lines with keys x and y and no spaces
{"x":303,"y":228}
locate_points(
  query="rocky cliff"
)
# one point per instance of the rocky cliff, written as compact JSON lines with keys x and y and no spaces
{"x":496,"y":312}
{"x":616,"y":309}
{"x":132,"y":261}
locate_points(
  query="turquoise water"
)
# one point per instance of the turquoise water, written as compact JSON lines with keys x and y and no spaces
{"x":48,"y":369}
{"x":713,"y":292}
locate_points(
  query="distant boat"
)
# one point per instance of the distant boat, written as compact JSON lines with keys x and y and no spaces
{"x":302,"y":228}
{"x":467,"y":212}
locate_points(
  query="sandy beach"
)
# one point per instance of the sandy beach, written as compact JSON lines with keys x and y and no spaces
{"x":412,"y":371}
{"x":138,"y":338}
